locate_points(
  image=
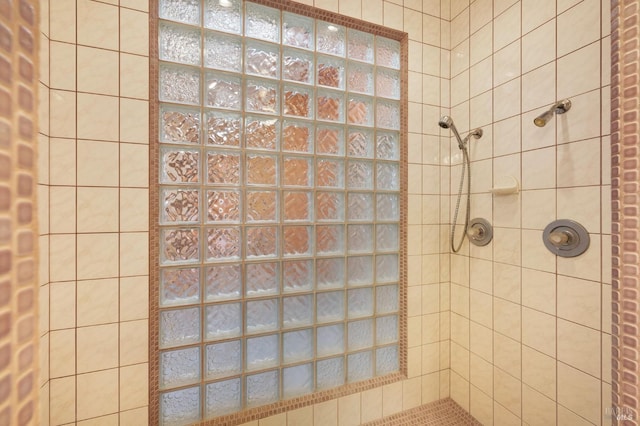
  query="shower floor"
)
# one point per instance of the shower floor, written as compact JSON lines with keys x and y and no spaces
{"x":444,"y":412}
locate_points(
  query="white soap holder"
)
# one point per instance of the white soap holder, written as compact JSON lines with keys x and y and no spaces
{"x":506,"y":185}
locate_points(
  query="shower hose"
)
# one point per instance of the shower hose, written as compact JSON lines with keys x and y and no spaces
{"x":465,"y":161}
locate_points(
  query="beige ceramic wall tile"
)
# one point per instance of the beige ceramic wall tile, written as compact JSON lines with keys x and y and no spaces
{"x":134,"y":32}
{"x":539,"y":371}
{"x":277,"y":420}
{"x":98,"y":209}
{"x":326,"y":413}
{"x":301,"y":416}
{"x":62,"y":19}
{"x":134,"y":298}
{"x":62,"y":257}
{"x":579,"y":392}
{"x":62,"y":400}
{"x":138,"y":416}
{"x":506,"y":391}
{"x":539,"y":290}
{"x":62,"y":114}
{"x":481,"y":406}
{"x":349,"y":410}
{"x":507,"y":27}
{"x":97,"y":393}
{"x":134,"y":169}
{"x":132,"y":113}
{"x":97,"y":347}
{"x":62,"y":308}
{"x":460,"y":390}
{"x":134,"y":76}
{"x":134,"y":253}
{"x":537,"y":13}
{"x":579,"y":301}
{"x":538,"y":169}
{"x":373,"y":12}
{"x":538,"y":208}
{"x":97,"y":302}
{"x":62,"y":350}
{"x":62,"y":71}
{"x":579,"y":347}
{"x":62,"y":160}
{"x":97,"y":117}
{"x":411,"y":393}
{"x":579,"y":71}
{"x":578,"y":26}
{"x":98,"y":71}
{"x":537,"y":409}
{"x":507,"y":355}
{"x":581,"y":124}
{"x":371,"y":405}
{"x":539,"y":87}
{"x":481,"y":374}
{"x":481,"y":341}
{"x":532,"y":55}
{"x":97,"y":163}
{"x":506,"y":318}
{"x":62,"y":206}
{"x":135,"y":4}
{"x":431,"y":387}
{"x":97,"y":24}
{"x":460,"y":360}
{"x":586,"y":266}
{"x":134,"y":346}
{"x":459,"y":27}
{"x":134,"y":389}
{"x":539,"y":331}
{"x":98,"y":255}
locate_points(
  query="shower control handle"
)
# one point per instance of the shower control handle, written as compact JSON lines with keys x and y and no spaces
{"x":562,"y":237}
{"x":566,"y":238}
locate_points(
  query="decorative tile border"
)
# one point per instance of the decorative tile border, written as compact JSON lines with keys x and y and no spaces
{"x":444,"y":412}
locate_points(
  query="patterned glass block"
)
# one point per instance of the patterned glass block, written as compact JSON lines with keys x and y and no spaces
{"x":297,"y":66}
{"x":388,"y":207}
{"x":181,"y":407}
{"x":360,"y":270}
{"x":297,"y":206}
{"x":223,"y":91}
{"x":360,"y":111}
{"x":262,"y":388}
{"x":329,"y":140}
{"x":180,"y":246}
{"x":360,"y":302}
{"x":297,"y":31}
{"x":261,"y":133}
{"x":223,"y":168}
{"x":261,"y":206}
{"x":179,"y":327}
{"x":262,"y":59}
{"x":298,"y":102}
{"x":297,"y":346}
{"x":223,"y":129}
{"x":262,"y":242}
{"x":179,"y":286}
{"x":388,"y":146}
{"x":359,"y":366}
{"x":263,"y":352}
{"x":360,"y":206}
{"x":223,"y":359}
{"x":179,"y":84}
{"x":387,"y":268}
{"x":330,"y":340}
{"x":388,"y":115}
{"x":297,"y":275}
{"x":329,"y":206}
{"x":297,"y":136}
{"x":223,"y":397}
{"x":360,"y":78}
{"x":262,"y":315}
{"x":223,"y":206}
{"x":223,"y":243}
{"x":330,"y":72}
{"x":360,"y":238}
{"x":222,"y":52}
{"x":329,"y":373}
{"x":386,"y":329}
{"x":330,"y":106}
{"x":360,"y":175}
{"x":180,"y":205}
{"x":262,"y":22}
{"x":297,"y":311}
{"x":330,"y":38}
{"x":330,"y":273}
{"x":388,"y":176}
{"x":330,"y":306}
{"x":329,"y":239}
{"x":261,"y":279}
{"x":388,"y":53}
{"x":223,"y":321}
{"x":360,"y":334}
{"x":360,"y":143}
{"x":224,"y":282}
{"x":179,"y":125}
{"x":360,"y":46}
{"x":297,"y":241}
{"x":297,"y":381}
{"x":187,"y":11}
{"x":261,"y":169}
{"x":179,"y":367}
{"x":387,"y":237}
{"x":330,"y":173}
{"x":178,"y":43}
{"x":387,"y":299}
{"x":388,"y":84}
{"x":223,"y":15}
{"x":179,"y":166}
{"x":297,"y":171}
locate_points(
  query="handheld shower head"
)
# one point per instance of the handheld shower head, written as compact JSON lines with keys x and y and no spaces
{"x":446,"y":122}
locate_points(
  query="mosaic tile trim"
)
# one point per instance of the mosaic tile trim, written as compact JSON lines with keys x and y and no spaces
{"x":444,"y":412}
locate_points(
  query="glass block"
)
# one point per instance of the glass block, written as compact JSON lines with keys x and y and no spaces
{"x":223,"y":359}
{"x":179,"y":166}
{"x":297,"y":66}
{"x":187,"y":11}
{"x":330,"y":106}
{"x":262,"y":206}
{"x":177,"y":43}
{"x":297,"y":380}
{"x":330,"y":306}
{"x":223,"y":15}
{"x":262,"y":59}
{"x":330,"y":72}
{"x":297,"y":206}
{"x":180,"y":246}
{"x":387,"y":299}
{"x":330,"y":340}
{"x":261,"y":169}
{"x":297,"y":346}
{"x":262,"y":22}
{"x":360,"y":78}
{"x":329,"y":239}
{"x":359,"y":206}
{"x":179,"y":327}
{"x":223,"y":91}
{"x":388,"y":115}
{"x":223,"y":129}
{"x":330,"y":140}
{"x":223,"y":206}
{"x":297,"y":171}
{"x":262,"y":388}
{"x":330,"y":38}
{"x":387,"y":268}
{"x":298,"y":102}
{"x":297,"y":311}
{"x":222,"y":52}
{"x":360,"y":334}
{"x":386,"y":330}
{"x":262,"y":242}
{"x":223,"y":397}
{"x":360,"y":111}
{"x":360,"y":175}
{"x":179,"y":367}
{"x":262,"y":315}
{"x":387,"y":237}
{"x":359,"y":270}
{"x":360,"y":143}
{"x":179,"y":84}
{"x":297,"y":136}
{"x":297,"y":275}
{"x":223,"y":243}
{"x":261,"y":279}
{"x":359,"y":366}
{"x":181,"y":407}
{"x":261,"y":133}
{"x":360,"y":46}
{"x":330,"y":173}
{"x":360,"y":238}
{"x":388,"y":84}
{"x":360,"y":302}
{"x":224,"y":282}
{"x":179,"y":125}
{"x":297,"y":241}
{"x":223,"y":321}
{"x":330,"y":273}
{"x":180,"y":205}
{"x":297,"y":31}
{"x":388,"y":176}
{"x":329,"y":373}
{"x":388,"y":207}
{"x":388,"y":53}
{"x":329,"y":206}
{"x":179,"y":286}
{"x":263,"y":352}
{"x":388,"y":146}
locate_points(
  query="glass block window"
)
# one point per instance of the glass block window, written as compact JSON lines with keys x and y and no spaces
{"x":279,"y":179}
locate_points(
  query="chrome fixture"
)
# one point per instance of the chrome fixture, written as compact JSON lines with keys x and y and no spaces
{"x":566,"y":238}
{"x":480,"y":231}
{"x":558,"y":108}
{"x":446,"y":122}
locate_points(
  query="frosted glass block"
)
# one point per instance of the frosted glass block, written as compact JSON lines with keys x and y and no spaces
{"x":262,"y":315}
{"x":297,"y":311}
{"x":360,"y":143}
{"x":179,"y":166}
{"x":297,"y":275}
{"x":330,"y":106}
{"x":179,"y":327}
{"x":187,"y":11}
{"x":181,"y":407}
{"x":223,"y":359}
{"x":387,"y":360}
{"x":388,"y":207}
{"x":262,"y":388}
{"x":262,"y":22}
{"x":330,"y":173}
{"x":222,"y":52}
{"x":329,"y":239}
{"x":330,"y":72}
{"x":223,"y":321}
{"x":360,"y":111}
{"x":179,"y":286}
{"x":179,"y":84}
{"x":387,"y":52}
{"x":329,"y":306}
{"x":297,"y":136}
{"x":177,"y":43}
{"x":360,"y":334}
{"x":330,"y":140}
{"x":330,"y":340}
{"x":223,"y":15}
{"x":262,"y":242}
{"x":388,"y":84}
{"x":359,"y":206}
{"x":224,"y":282}
{"x":263,"y":352}
{"x":223,"y":243}
{"x":179,"y":246}
{"x":297,"y":31}
{"x":387,"y":237}
{"x":359,"y":366}
{"x":180,"y":205}
{"x":223,"y":91}
{"x":297,"y":171}
{"x":261,"y":169}
{"x":262,"y":206}
{"x":329,"y":373}
{"x":297,"y":241}
{"x":387,"y":268}
{"x":388,"y":176}
{"x":261,"y":133}
{"x":179,"y":367}
{"x":223,"y":206}
{"x":360,"y":302}
{"x":330,"y":273}
{"x":360,"y":270}
{"x":388,"y":115}
{"x":223,"y":129}
{"x":297,"y":66}
{"x":388,"y":146}
{"x":329,"y":206}
{"x":330,"y":38}
{"x":297,"y":205}
{"x":360,"y":78}
{"x":223,"y":397}
{"x":261,"y":279}
{"x":386,"y":330}
{"x":360,"y":175}
{"x":179,"y":125}
{"x":387,"y":297}
{"x":297,"y":381}
{"x":262,"y":59}
{"x":298,"y":102}
{"x":360,"y":46}
{"x":360,"y":238}
{"x":297,"y":346}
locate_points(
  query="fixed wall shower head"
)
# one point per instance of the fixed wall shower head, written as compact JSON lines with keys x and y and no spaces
{"x":558,"y":108}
